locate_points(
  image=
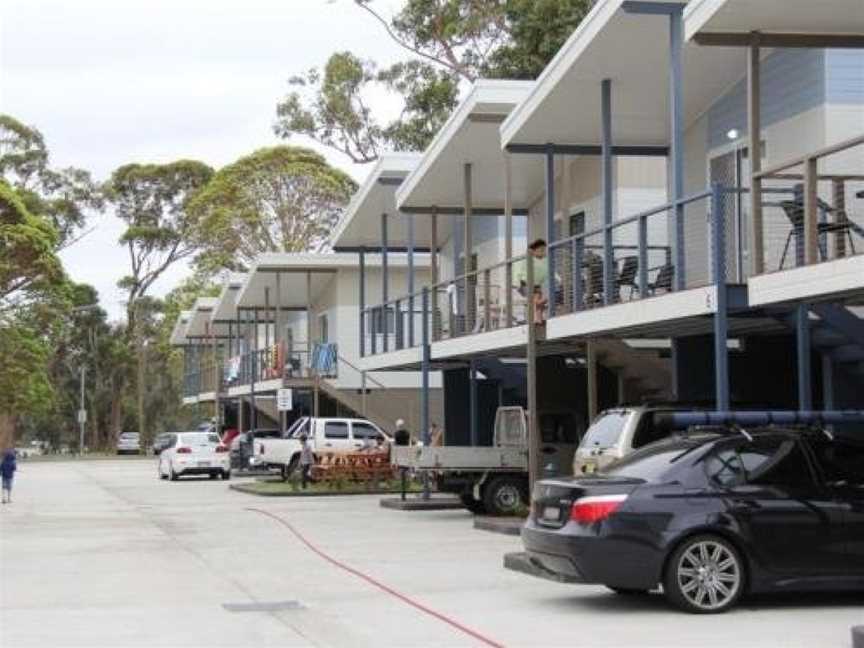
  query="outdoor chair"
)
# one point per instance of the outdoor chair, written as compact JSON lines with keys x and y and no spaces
{"x":594,"y":291}
{"x":663,"y":280}
{"x":627,"y":276}
{"x":794,"y":211}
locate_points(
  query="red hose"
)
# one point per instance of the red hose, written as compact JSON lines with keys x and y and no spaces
{"x":402,"y":597}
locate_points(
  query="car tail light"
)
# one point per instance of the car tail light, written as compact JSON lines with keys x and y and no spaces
{"x":588,"y":510}
{"x":184,"y":450}
{"x":221,"y":448}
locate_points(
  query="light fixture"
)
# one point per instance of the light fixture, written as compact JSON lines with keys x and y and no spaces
{"x":733,"y":134}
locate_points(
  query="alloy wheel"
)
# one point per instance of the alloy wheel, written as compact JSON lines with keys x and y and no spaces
{"x":709,"y":575}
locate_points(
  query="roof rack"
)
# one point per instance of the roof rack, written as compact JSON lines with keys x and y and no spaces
{"x":678,"y":420}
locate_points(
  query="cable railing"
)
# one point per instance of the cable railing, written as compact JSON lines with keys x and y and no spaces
{"x":811,"y":208}
{"x":629,"y":259}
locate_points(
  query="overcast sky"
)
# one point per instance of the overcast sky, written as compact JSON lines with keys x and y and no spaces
{"x":116,"y":81}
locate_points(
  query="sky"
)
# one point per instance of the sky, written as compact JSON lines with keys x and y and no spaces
{"x":110,"y":82}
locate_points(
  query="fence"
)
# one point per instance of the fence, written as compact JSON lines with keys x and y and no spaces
{"x":812,"y":208}
{"x":628,"y":259}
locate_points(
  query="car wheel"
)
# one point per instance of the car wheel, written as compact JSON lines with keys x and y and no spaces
{"x":172,"y":475}
{"x":705,"y":575}
{"x":505,"y":496}
{"x":474,"y":506}
{"x":626,"y":591}
{"x":226,"y":475}
{"x":213,"y":475}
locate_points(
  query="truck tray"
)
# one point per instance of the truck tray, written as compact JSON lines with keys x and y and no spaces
{"x":460,"y":458}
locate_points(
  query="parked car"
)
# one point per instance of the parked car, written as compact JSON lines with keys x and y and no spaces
{"x":129,"y":443}
{"x":160,"y":442}
{"x":710,"y":517}
{"x":242,"y":446}
{"x":325,"y":434}
{"x":194,"y":453}
{"x":617,"y":432}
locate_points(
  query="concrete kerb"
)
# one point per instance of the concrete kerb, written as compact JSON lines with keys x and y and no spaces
{"x":248,"y":489}
{"x":511,"y":526}
{"x":420,"y":504}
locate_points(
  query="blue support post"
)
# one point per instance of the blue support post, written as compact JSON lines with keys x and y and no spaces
{"x":577,"y":246}
{"x":802,"y":339}
{"x":384,"y":278}
{"x":676,"y":145}
{"x":550,"y":231}
{"x":410,"y":224}
{"x":721,"y":317}
{"x":472,"y":403}
{"x":606,"y":190}
{"x":362,"y":296}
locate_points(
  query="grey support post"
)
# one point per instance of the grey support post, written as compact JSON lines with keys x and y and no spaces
{"x":754,"y":120}
{"x":472,"y":402}
{"x":384,"y":281}
{"x":468,"y":243}
{"x":410,"y":225}
{"x":550,"y":232}
{"x":424,"y":370}
{"x":607,"y":189}
{"x":508,"y":241}
{"x":721,"y":323}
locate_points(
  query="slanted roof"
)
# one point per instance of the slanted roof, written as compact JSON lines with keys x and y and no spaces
{"x":178,"y":334}
{"x":199,"y":320}
{"x":633,"y":52}
{"x":226,"y":306}
{"x":775,"y":16}
{"x":471,"y":136}
{"x":360,"y":226}
{"x":292,"y":270}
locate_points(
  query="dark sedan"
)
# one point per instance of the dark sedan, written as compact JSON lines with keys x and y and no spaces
{"x":710,"y":517}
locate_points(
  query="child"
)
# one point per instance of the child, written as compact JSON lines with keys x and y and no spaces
{"x":7,"y":472}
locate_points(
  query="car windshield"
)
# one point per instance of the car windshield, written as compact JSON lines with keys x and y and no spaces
{"x":652,"y":463}
{"x":129,"y":435}
{"x":199,"y":438}
{"x":606,"y":430}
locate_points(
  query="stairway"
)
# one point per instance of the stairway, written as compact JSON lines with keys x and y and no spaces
{"x":644,"y":374}
{"x":838,"y":333}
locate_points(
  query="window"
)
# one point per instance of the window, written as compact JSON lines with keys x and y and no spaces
{"x":606,"y":430}
{"x":324,"y":328}
{"x":652,"y":464}
{"x":842,"y":462}
{"x":577,"y":223}
{"x":365,"y":431}
{"x":336,"y":430}
{"x":378,"y":318}
{"x":648,"y":432}
{"x":766,"y":461}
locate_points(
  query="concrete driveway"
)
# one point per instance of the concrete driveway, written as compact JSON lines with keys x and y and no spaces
{"x":101,"y":553}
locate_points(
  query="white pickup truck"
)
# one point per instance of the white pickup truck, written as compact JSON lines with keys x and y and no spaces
{"x":325,"y":435}
{"x":494,"y":479}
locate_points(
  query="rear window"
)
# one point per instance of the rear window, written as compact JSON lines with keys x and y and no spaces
{"x":200,"y":438}
{"x":606,"y":430}
{"x":653,"y":463}
{"x":336,"y":430}
{"x":129,"y":435}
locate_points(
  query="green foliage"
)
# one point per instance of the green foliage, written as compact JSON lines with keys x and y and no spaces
{"x":62,"y":197}
{"x":450,"y":41}
{"x":151,"y":199}
{"x":24,"y":384}
{"x":279,"y":199}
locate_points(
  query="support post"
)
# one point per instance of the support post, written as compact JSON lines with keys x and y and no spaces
{"x":550,"y":233}
{"x":811,"y":212}
{"x":363,"y":392}
{"x":838,"y":194}
{"x":266,"y":317}
{"x":362,"y":297}
{"x":508,"y":241}
{"x":424,"y":370}
{"x":591,"y":369}
{"x":802,"y":338}
{"x":472,"y":403}
{"x":309,"y":319}
{"x":721,"y":317}
{"x":607,"y":189}
{"x":754,"y":119}
{"x":676,"y":103}
{"x":534,"y":467}
{"x":643,"y":258}
{"x":253,"y":418}
{"x":410,"y":225}
{"x":468,"y":243}
{"x":433,"y":248}
{"x":385,"y":277}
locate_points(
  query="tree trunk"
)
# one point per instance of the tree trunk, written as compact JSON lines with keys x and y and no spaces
{"x":7,"y":430}
{"x":142,"y":423}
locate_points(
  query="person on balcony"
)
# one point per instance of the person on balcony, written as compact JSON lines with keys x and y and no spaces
{"x":537,"y":253}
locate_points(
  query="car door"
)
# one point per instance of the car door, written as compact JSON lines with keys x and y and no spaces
{"x":841,"y":465}
{"x":792,"y":521}
{"x":337,"y":435}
